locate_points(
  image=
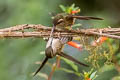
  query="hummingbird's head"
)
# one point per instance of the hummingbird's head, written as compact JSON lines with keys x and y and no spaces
{"x":49,"y":52}
{"x":63,"y":20}
{"x":59,"y":18}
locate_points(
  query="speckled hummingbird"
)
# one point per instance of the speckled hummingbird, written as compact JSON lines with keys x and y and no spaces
{"x":65,"y":21}
{"x":54,"y":47}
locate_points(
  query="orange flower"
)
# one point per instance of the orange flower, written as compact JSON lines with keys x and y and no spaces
{"x":75,"y":11}
{"x":102,"y":39}
{"x":75,"y":45}
{"x":88,"y":79}
{"x":99,"y":41}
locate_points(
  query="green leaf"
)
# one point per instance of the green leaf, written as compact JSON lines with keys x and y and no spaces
{"x":75,"y":67}
{"x":72,"y":6}
{"x":43,"y":75}
{"x":70,"y":71}
{"x":67,"y":70}
{"x":93,"y":75}
{"x":76,"y":8}
{"x":63,"y":8}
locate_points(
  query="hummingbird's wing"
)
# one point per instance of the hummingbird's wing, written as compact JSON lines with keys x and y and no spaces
{"x":72,"y":59}
{"x":86,"y":17}
{"x":43,"y":63}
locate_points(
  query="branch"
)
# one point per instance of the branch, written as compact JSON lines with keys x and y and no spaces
{"x":44,"y":31}
{"x":32,"y":34}
{"x":22,"y":27}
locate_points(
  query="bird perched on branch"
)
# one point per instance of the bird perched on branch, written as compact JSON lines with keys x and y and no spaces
{"x":54,"y":47}
{"x":65,"y":20}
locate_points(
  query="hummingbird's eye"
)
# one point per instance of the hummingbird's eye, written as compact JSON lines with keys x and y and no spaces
{"x":57,"y":21}
{"x":60,"y":21}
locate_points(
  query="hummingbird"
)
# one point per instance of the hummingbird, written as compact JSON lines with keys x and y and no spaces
{"x":54,"y":47}
{"x":65,"y":21}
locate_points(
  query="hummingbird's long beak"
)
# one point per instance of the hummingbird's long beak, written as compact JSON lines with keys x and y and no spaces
{"x":87,"y":17}
{"x":51,"y":34}
{"x":72,"y":59}
{"x":43,"y":63}
{"x":53,"y":28}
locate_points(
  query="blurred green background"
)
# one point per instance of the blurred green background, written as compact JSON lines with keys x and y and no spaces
{"x":18,"y":56}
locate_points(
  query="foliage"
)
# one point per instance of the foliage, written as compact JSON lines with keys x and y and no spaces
{"x":70,"y":9}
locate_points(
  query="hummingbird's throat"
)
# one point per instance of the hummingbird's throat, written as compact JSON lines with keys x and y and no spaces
{"x":49,"y":52}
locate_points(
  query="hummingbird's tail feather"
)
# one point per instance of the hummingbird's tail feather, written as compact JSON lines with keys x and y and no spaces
{"x":87,"y":18}
{"x":43,"y":63}
{"x":72,"y":59}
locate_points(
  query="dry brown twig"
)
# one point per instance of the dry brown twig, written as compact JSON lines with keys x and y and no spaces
{"x":44,"y":31}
